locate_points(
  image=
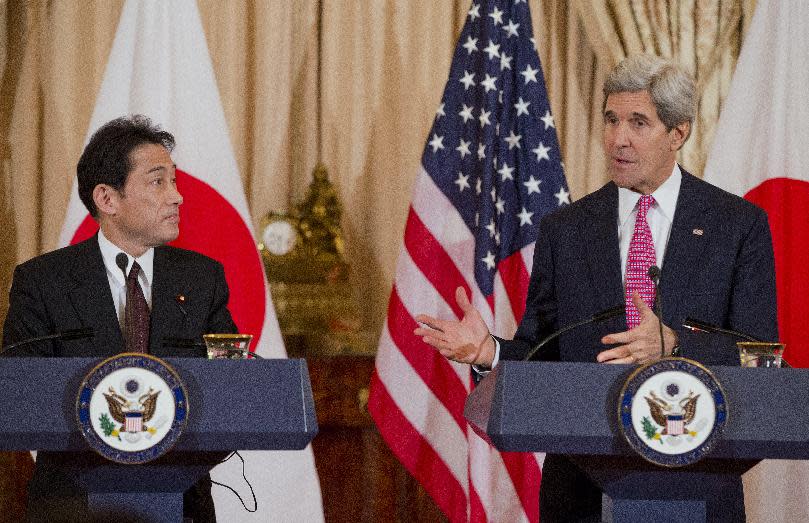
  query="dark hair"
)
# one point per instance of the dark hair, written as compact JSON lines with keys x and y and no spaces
{"x":106,"y":159}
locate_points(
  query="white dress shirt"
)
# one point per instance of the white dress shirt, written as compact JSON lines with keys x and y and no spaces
{"x":659,"y":217}
{"x":116,"y":278}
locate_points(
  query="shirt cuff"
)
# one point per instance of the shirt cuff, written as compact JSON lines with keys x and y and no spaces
{"x":482,"y":371}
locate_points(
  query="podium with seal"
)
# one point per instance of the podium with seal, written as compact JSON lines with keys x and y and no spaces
{"x":69,"y":406}
{"x":579,"y":410}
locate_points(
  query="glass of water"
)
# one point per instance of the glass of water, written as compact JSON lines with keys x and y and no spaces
{"x":227,"y":346}
{"x":760,"y":354}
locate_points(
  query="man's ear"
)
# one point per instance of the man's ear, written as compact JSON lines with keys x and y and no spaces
{"x":106,"y":199}
{"x":679,"y":134}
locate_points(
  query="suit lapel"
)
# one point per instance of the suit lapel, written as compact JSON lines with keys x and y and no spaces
{"x":168,"y":319}
{"x":92,"y":299}
{"x":600,"y":235}
{"x":684,"y":247}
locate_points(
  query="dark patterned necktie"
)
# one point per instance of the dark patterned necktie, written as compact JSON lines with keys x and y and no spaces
{"x":136,"y":314}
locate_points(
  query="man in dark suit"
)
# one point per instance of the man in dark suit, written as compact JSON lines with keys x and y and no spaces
{"x":714,"y":249}
{"x":127,"y":181}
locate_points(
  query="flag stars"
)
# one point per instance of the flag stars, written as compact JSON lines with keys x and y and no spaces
{"x":478,"y":186}
{"x":488,"y":83}
{"x":521,"y":106}
{"x":505,"y":61}
{"x":513,"y":140}
{"x":542,"y":152}
{"x":494,"y":194}
{"x":492,"y":228}
{"x":466,"y":113}
{"x":481,"y":151}
{"x":471,"y":45}
{"x":547,"y":120}
{"x":489,"y":260}
{"x":496,"y":15}
{"x":484,"y":117}
{"x":467,"y":80}
{"x":493,"y":50}
{"x":462,"y":182}
{"x":474,"y":12}
{"x":506,"y":172}
{"x":511,"y":29}
{"x":529,"y":74}
{"x":437,"y":143}
{"x":497,"y":238}
{"x":463,"y":148}
{"x":500,"y":205}
{"x":563,"y":196}
{"x":525,"y":217}
{"x":440,"y":111}
{"x":532,"y":185}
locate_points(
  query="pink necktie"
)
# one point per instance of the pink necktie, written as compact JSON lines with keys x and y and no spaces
{"x":641,"y":257}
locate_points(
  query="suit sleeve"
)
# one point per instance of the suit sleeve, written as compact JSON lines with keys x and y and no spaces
{"x":219,"y":320}
{"x":752,"y":306}
{"x":541,"y":305}
{"x":27,"y":315}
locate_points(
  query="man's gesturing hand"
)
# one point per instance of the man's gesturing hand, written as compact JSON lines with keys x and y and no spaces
{"x":641,"y":344}
{"x":466,"y":341}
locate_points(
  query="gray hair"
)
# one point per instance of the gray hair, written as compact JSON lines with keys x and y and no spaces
{"x":671,"y":88}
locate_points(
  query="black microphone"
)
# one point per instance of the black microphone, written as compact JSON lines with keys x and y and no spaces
{"x":122,"y":260}
{"x":72,"y":334}
{"x":654,"y":275}
{"x":699,"y":326}
{"x":604,"y":315}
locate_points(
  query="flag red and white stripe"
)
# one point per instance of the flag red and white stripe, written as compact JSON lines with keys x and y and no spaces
{"x":490,"y":170}
{"x":761,"y":152}
{"x":159,"y":66}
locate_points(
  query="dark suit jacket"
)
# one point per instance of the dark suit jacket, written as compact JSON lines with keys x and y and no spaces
{"x":68,"y":289}
{"x":718,"y":268}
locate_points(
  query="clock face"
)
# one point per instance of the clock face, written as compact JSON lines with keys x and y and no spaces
{"x":279,"y":237}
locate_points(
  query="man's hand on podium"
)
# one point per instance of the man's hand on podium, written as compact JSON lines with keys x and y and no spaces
{"x":641,"y":344}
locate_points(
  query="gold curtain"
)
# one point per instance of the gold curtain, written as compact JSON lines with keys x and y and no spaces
{"x":703,"y":35}
{"x":383,"y":68}
{"x":384,"y":64}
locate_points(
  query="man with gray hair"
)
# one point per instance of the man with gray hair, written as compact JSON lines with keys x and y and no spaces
{"x":714,"y":250}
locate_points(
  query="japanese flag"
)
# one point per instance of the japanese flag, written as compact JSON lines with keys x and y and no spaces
{"x":159,"y":66}
{"x":761,"y":152}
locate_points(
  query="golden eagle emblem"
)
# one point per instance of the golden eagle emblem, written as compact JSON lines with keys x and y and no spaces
{"x":673,"y":417}
{"x":132,"y":414}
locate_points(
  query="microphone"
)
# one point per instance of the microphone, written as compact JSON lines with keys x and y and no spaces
{"x":654,"y":275}
{"x":180,"y":300}
{"x":604,"y":315}
{"x":699,"y":326}
{"x":72,"y":334}
{"x":122,"y":260}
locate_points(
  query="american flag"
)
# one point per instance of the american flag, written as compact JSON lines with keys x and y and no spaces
{"x":491,"y":168}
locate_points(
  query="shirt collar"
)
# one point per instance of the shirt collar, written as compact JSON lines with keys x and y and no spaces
{"x":108,"y":253}
{"x":665,"y":196}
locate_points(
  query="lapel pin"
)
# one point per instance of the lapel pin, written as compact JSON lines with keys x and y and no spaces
{"x":181,"y":297}
{"x":698,"y":232}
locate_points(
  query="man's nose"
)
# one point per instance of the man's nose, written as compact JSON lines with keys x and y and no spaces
{"x":176,"y":197}
{"x":620,"y":135}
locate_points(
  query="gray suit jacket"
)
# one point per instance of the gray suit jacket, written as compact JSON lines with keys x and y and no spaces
{"x":718,"y":268}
